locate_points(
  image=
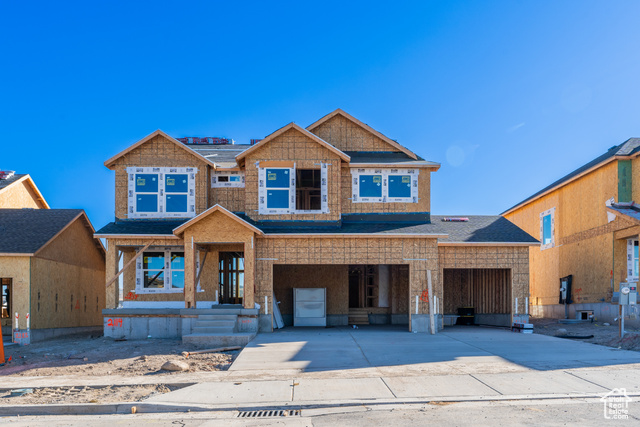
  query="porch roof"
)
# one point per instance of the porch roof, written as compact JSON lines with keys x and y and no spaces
{"x":630,"y":210}
{"x":480,"y":229}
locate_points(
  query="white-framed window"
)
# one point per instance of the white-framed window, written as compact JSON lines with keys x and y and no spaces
{"x":547,"y":229}
{"x":384,"y":185}
{"x":227,"y":179}
{"x":160,"y":270}
{"x":633,"y":260}
{"x":161,"y":192}
{"x":278,"y":192}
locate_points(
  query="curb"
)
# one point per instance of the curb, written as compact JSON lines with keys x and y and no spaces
{"x":148,"y":408}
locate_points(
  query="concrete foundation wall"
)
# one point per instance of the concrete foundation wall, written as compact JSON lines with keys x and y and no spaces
{"x":603,"y":312}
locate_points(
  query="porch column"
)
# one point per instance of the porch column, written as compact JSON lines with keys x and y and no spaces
{"x":189,"y":273}
{"x":249,"y":273}
{"x":111,"y":269}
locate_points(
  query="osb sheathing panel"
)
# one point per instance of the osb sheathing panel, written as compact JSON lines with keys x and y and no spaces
{"x":75,"y":246}
{"x":635,"y":186}
{"x":112,"y":266}
{"x":400,"y":289}
{"x":17,"y":269}
{"x":345,"y":135}
{"x":514,"y":258}
{"x":423,"y":205}
{"x":582,"y":237}
{"x":232,"y":199}
{"x":19,"y":195}
{"x":159,"y":152}
{"x":335,"y":278}
{"x":219,"y":228}
{"x":79,"y":292}
{"x":307,"y":154}
{"x":420,"y":255}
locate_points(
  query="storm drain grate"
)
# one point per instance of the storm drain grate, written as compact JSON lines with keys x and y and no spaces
{"x":269,"y":413}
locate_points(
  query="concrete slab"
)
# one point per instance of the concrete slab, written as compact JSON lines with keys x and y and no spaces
{"x":438,"y":386}
{"x":340,"y":389}
{"x":229,"y":393}
{"x":545,"y":382}
{"x":628,"y":379}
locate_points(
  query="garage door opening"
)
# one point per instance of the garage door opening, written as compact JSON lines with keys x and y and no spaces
{"x":356,"y":294}
{"x":480,"y":296}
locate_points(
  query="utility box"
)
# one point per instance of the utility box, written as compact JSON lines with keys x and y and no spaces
{"x":565,"y":289}
{"x":309,"y":307}
{"x":628,"y":294}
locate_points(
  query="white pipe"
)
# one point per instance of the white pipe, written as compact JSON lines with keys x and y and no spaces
{"x":27,"y":321}
{"x":526,"y":305}
{"x":516,"y":305}
{"x":416,"y":304}
{"x":266,"y":305}
{"x":17,"y":316}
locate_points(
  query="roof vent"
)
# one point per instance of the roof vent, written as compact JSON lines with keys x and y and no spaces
{"x":6,"y":174}
{"x":206,"y":140}
{"x":455,"y":219}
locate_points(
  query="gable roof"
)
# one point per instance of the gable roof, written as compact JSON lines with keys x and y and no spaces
{"x":629,"y":210}
{"x":6,"y":183}
{"x":211,"y":210}
{"x":27,"y":231}
{"x":365,"y":127}
{"x":303,"y":131}
{"x":109,"y":163}
{"x":629,"y":148}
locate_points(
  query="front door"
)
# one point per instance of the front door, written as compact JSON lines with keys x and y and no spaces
{"x":231,"y":278}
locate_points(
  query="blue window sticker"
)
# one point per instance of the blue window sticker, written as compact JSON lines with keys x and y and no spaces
{"x":400,"y":186}
{"x":234,"y":179}
{"x":153,"y":261}
{"x":146,"y":183}
{"x":370,"y":185}
{"x":278,"y":199}
{"x":177,"y":260}
{"x":176,"y":183}
{"x":176,"y":203}
{"x":147,"y":203}
{"x":177,"y":279}
{"x":277,"y":178}
{"x":546,"y":229}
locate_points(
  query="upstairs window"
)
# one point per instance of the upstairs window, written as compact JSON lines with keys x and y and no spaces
{"x":308,"y":190}
{"x":147,"y":198}
{"x":547,"y":229}
{"x":227,"y":179}
{"x":287,"y":190}
{"x":370,"y":186}
{"x":161,"y":192}
{"x":160,"y":271}
{"x":278,"y":188}
{"x":633,"y":260}
{"x":384,"y":185}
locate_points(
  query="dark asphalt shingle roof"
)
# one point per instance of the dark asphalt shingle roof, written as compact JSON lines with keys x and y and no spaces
{"x":141,"y":227}
{"x":7,"y":182}
{"x":24,"y":231}
{"x":479,"y":229}
{"x":629,"y":147}
{"x":630,"y":209}
{"x":384,"y":157}
{"x":223,"y":155}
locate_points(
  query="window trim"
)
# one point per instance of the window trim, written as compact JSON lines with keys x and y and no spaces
{"x":215,"y":183}
{"x":162,"y":195}
{"x":167,"y":270}
{"x":549,"y":212}
{"x":262,"y":192}
{"x":385,"y":198}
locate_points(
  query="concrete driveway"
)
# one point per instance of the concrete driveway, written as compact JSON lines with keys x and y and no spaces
{"x":388,"y":348}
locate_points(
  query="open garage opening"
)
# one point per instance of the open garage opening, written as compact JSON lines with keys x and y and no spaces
{"x":355,"y":294}
{"x":480,"y":296}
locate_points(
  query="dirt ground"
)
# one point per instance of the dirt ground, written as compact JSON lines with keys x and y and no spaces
{"x":602,"y":334}
{"x":110,"y":394}
{"x":97,"y":356}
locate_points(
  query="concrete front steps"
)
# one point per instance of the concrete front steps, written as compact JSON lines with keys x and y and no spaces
{"x":218,"y":329}
{"x":358,"y":316}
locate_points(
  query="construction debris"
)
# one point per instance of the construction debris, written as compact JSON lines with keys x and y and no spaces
{"x":175,"y":365}
{"x":211,"y":350}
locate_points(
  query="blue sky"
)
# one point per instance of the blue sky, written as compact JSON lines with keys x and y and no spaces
{"x":507,"y":95}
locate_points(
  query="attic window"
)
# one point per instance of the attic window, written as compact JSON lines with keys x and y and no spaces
{"x":226,"y":179}
{"x":308,"y":190}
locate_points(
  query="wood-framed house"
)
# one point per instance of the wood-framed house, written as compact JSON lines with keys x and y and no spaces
{"x":335,"y":205}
